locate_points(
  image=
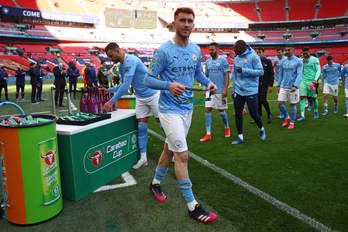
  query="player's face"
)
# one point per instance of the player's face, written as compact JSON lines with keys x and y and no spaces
{"x":184,"y":24}
{"x":305,"y":55}
{"x":114,"y":55}
{"x":280,"y":54}
{"x":289,"y":52}
{"x":330,"y":62}
{"x":260,"y":53}
{"x":213,"y":51}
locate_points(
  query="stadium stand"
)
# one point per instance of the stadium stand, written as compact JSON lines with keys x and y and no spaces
{"x":299,"y":9}
{"x":332,"y":8}
{"x":7,"y":3}
{"x":247,"y":9}
{"x":272,"y":10}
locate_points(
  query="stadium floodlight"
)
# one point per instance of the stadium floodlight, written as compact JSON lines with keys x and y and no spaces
{"x":287,"y":36}
{"x":314,"y":34}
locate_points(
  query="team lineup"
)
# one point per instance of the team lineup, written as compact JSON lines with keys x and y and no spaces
{"x":165,"y":91}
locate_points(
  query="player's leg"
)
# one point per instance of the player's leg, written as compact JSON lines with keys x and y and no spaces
{"x":17,"y":91}
{"x":325,"y":99}
{"x":303,"y":97}
{"x":22,"y":91}
{"x":283,"y":96}
{"x":335,"y":97}
{"x":6,"y":92}
{"x":239,"y":102}
{"x":221,"y":106}
{"x":208,"y":110}
{"x":265,"y":104}
{"x":252,"y":106}
{"x":142,"y":112}
{"x":302,"y":108}
{"x":294,"y":99}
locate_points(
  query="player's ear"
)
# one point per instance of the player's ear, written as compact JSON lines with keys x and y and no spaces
{"x":193,"y":26}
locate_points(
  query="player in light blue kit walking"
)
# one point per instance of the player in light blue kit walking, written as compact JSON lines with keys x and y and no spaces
{"x":288,"y":84}
{"x":344,"y":76}
{"x":133,"y":72}
{"x":177,"y":63}
{"x":218,"y":71}
{"x":247,"y":70}
{"x":329,"y":81}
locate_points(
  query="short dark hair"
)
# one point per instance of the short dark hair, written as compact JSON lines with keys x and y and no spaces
{"x":213,"y":44}
{"x":186,"y":10}
{"x":240,"y":43}
{"x":111,"y":46}
{"x":305,"y":49}
{"x":261,"y":49}
{"x":102,"y":62}
{"x":329,"y":58}
{"x":280,"y":49}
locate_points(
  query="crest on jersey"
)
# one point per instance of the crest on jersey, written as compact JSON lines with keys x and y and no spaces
{"x":194,"y":57}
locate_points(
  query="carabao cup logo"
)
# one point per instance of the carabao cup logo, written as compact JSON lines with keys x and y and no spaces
{"x":96,"y":158}
{"x":49,"y":157}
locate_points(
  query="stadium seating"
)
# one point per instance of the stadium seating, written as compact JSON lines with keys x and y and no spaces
{"x":272,"y":10}
{"x":246,"y":9}
{"x":299,"y":9}
{"x":7,"y":3}
{"x":332,"y":8}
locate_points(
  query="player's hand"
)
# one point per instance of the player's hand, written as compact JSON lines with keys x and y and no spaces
{"x":176,"y":89}
{"x":107,"y":106}
{"x":270,"y":89}
{"x":212,"y":88}
{"x":293,"y":89}
{"x":224,"y":93}
{"x":278,"y":88}
{"x":321,"y":89}
{"x":239,"y":70}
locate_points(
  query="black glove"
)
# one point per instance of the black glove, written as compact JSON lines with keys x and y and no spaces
{"x":239,"y":70}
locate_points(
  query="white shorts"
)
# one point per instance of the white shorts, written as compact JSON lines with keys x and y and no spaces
{"x":346,"y":92}
{"x":176,"y":127}
{"x":287,"y":95}
{"x":217,"y":102}
{"x":330,"y":89}
{"x":147,"y":107}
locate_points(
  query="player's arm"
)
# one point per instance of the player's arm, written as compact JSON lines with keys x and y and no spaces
{"x":271,"y":75}
{"x":256,"y":70}
{"x":159,"y":62}
{"x":323,"y":76}
{"x":317,"y":68}
{"x":201,"y":78}
{"x":343,"y":73}
{"x":227,"y":78}
{"x":123,"y":88}
{"x":298,"y":79}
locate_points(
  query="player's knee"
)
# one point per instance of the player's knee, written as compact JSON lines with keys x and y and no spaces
{"x":181,"y":157}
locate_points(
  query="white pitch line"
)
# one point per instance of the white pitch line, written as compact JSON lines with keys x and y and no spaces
{"x":280,"y":205}
{"x":129,"y":181}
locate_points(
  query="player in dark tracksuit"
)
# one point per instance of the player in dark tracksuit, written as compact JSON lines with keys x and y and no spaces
{"x":59,"y":82}
{"x":39,"y":81}
{"x":20,"y":82}
{"x":265,"y":84}
{"x":32,"y":82}
{"x":73,"y":73}
{"x":3,"y":82}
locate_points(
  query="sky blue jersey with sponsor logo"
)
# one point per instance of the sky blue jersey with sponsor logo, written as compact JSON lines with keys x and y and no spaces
{"x":215,"y":70}
{"x":247,"y":82}
{"x":330,"y":73}
{"x":133,"y":72}
{"x":172,"y":63}
{"x":344,"y":76}
{"x":290,"y":72}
